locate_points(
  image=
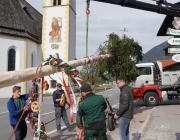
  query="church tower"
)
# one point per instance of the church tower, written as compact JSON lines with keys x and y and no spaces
{"x":59,"y":31}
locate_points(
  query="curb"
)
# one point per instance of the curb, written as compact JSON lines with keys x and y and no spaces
{"x":140,"y":131}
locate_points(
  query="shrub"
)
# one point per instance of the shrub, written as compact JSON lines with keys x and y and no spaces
{"x":76,"y":90}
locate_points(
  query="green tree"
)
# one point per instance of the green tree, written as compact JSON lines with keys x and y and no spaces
{"x":89,"y":72}
{"x":126,"y":53}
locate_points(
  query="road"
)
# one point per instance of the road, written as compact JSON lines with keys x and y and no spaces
{"x":47,"y":111}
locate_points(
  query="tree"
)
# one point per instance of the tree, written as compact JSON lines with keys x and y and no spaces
{"x":126,"y":53}
{"x":89,"y":73}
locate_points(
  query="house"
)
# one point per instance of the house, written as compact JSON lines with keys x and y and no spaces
{"x":27,"y":37}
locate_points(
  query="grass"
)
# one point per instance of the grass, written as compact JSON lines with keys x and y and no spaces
{"x":97,"y":90}
{"x":47,"y":95}
{"x":101,"y":89}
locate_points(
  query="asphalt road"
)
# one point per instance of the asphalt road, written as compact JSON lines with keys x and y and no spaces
{"x":47,"y":111}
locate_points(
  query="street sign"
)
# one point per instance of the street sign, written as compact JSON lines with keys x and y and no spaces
{"x":176,"y":57}
{"x":173,"y":50}
{"x":174,"y":41}
{"x":173,"y":32}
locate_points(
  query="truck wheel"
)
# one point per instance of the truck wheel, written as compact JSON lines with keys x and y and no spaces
{"x":151,"y":99}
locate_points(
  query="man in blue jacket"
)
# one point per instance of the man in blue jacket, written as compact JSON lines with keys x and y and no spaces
{"x":16,"y":104}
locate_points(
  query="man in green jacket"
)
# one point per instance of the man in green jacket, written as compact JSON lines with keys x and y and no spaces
{"x":92,"y":110}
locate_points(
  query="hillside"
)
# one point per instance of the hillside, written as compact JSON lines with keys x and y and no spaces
{"x":156,"y":53}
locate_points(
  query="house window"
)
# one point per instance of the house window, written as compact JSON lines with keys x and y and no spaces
{"x":56,"y":2}
{"x":11,"y":59}
{"x":53,"y":83}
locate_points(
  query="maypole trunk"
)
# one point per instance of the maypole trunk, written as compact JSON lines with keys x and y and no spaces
{"x":14,"y":77}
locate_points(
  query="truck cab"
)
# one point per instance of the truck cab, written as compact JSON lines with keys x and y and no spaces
{"x":144,"y":74}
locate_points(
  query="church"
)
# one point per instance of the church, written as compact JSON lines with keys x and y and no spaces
{"x":27,"y":37}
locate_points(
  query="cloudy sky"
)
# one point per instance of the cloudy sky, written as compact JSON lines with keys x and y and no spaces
{"x":107,"y":18}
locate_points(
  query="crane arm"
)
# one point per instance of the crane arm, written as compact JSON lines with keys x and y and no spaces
{"x":161,"y":7}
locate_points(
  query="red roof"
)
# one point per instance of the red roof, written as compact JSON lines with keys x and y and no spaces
{"x":166,"y":62}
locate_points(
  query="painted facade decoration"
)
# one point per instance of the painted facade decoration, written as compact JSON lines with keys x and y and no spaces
{"x":55,"y":33}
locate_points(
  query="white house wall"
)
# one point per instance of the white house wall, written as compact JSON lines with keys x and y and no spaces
{"x":8,"y":42}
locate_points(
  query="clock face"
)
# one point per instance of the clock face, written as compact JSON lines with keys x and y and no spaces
{"x":176,"y":22}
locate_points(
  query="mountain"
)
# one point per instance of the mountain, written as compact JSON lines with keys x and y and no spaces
{"x":156,"y":53}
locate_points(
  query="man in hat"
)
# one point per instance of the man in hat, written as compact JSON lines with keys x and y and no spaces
{"x":92,"y":109}
{"x":60,"y":109}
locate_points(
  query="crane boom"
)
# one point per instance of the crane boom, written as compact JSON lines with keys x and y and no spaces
{"x":161,"y":7}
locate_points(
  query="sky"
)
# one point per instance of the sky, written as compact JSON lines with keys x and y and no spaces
{"x":108,"y":18}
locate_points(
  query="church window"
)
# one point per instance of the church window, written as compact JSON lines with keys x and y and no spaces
{"x":59,"y":2}
{"x":53,"y":83}
{"x":11,"y":59}
{"x":56,"y":2}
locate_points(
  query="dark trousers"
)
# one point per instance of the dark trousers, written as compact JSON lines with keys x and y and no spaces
{"x":21,"y":131}
{"x":61,"y":112}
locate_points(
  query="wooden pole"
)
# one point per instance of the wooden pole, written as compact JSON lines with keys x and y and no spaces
{"x":13,"y":77}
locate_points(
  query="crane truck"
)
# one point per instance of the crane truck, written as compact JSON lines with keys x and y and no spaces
{"x":153,"y":85}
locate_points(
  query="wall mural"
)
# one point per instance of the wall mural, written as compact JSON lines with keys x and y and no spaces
{"x":55,"y":33}
{"x":55,"y":46}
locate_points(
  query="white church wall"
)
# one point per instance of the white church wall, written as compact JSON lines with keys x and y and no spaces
{"x":52,"y":43}
{"x":56,"y":44}
{"x":58,"y":18}
{"x":72,"y":45}
{"x":73,"y":4}
{"x":34,"y":58}
{"x":8,"y":42}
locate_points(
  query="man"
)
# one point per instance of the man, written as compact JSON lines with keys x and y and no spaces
{"x":16,"y":104}
{"x":92,"y":109}
{"x":60,"y":110}
{"x":125,"y":111}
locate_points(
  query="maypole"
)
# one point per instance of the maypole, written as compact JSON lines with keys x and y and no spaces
{"x":13,"y":77}
{"x":87,"y":24}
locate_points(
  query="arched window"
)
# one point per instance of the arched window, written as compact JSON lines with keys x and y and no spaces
{"x":56,"y":2}
{"x":11,"y":59}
